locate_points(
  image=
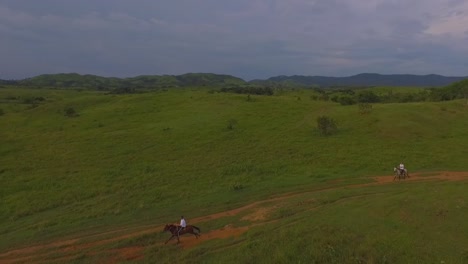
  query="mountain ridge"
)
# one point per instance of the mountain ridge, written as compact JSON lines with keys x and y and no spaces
{"x":370,"y":79}
{"x":75,"y":80}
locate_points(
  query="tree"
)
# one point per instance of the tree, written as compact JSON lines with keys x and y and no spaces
{"x":464,"y":91}
{"x":231,"y":124}
{"x":346,"y":100}
{"x":326,"y":125}
{"x":367,"y":97}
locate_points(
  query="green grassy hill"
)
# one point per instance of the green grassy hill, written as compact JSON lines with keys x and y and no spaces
{"x":74,"y":80}
{"x":127,"y":160}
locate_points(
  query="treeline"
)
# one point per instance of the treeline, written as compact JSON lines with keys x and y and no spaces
{"x":458,"y":90}
{"x":8,"y":82}
{"x":255,"y":90}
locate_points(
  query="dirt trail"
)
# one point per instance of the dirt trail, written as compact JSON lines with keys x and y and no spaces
{"x":74,"y":247}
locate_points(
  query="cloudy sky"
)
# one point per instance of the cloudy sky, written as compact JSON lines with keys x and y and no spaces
{"x":246,"y":38}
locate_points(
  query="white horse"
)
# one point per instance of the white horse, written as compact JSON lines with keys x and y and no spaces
{"x":401,"y":174}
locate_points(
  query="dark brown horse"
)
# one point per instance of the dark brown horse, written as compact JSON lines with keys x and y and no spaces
{"x":174,"y":229}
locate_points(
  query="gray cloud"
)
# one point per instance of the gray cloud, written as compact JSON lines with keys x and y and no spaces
{"x":246,"y":38}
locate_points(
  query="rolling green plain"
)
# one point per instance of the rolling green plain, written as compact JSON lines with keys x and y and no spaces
{"x":135,"y":160}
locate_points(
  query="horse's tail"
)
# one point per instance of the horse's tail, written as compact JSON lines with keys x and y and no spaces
{"x":198,"y":229}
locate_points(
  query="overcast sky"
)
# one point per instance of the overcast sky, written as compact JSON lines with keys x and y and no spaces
{"x":246,"y":38}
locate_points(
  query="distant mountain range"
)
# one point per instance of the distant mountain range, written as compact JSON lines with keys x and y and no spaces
{"x":74,"y":80}
{"x":368,"y":79}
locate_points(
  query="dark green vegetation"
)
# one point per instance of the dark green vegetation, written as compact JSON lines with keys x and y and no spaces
{"x":326,"y":125}
{"x":144,"y":82}
{"x":152,"y":82}
{"x":145,"y":158}
{"x":349,"y":96}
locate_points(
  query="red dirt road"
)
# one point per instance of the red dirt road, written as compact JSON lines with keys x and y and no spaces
{"x":72,"y":248}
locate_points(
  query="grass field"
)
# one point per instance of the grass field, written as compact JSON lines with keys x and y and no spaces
{"x":127,"y":161}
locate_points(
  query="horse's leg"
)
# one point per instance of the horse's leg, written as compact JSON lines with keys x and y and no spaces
{"x":169,"y":239}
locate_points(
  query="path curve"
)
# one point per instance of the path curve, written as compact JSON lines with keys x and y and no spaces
{"x":73,"y":247}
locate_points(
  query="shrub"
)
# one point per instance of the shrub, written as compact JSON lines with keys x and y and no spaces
{"x":368,"y":97}
{"x":1,"y":112}
{"x":324,"y":97}
{"x":231,"y":124}
{"x":28,"y":100}
{"x":248,"y":90}
{"x":346,"y":100}
{"x":70,"y":112}
{"x":326,"y":125}
{"x":124,"y":90}
{"x":237,"y":186}
{"x":365,"y":108}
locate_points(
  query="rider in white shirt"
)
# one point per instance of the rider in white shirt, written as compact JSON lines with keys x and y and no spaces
{"x":183,"y":224}
{"x":402,"y":168}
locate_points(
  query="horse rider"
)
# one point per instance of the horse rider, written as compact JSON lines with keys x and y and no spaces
{"x":402,"y":167}
{"x":182,"y":225}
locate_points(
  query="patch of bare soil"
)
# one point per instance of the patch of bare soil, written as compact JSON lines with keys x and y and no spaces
{"x":73,"y":247}
{"x":444,"y":175}
{"x":223,"y":233}
{"x":258,"y":215}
